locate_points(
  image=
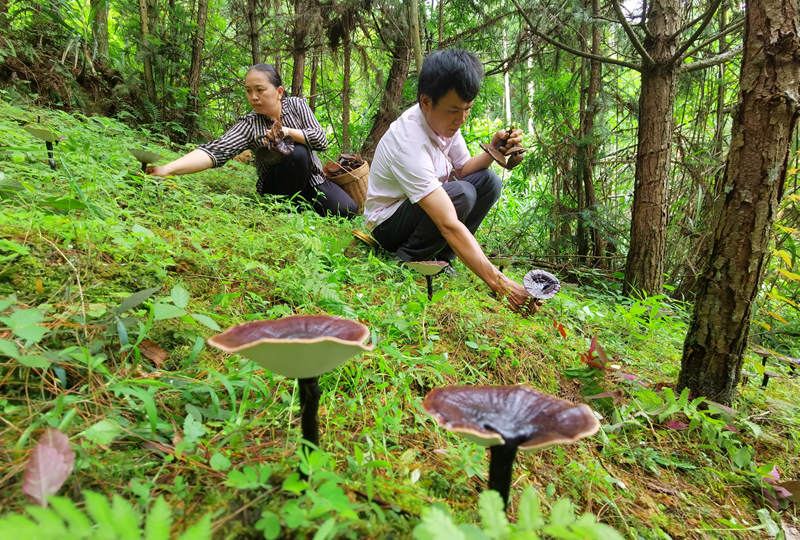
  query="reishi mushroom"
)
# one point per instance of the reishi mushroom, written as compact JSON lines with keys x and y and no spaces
{"x":48,"y":137}
{"x":511,"y":158}
{"x":144,"y":157}
{"x":506,"y":419}
{"x":540,"y":284}
{"x":428,"y":269}
{"x":301,"y":347}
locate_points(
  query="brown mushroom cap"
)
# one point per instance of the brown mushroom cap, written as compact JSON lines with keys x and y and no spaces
{"x":494,"y":415}
{"x":297,"y":346}
{"x":145,"y":156}
{"x":501,"y":261}
{"x":427,"y":268}
{"x":41,"y":133}
{"x":540,"y":284}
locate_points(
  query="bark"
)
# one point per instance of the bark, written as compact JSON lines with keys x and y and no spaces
{"x":347,"y":50}
{"x":100,"y":27}
{"x":752,"y":187}
{"x":198,"y":44}
{"x":147,"y":66}
{"x":312,"y":94}
{"x":413,"y":28}
{"x":644,"y":267}
{"x":390,"y":106}
{"x":302,"y":15}
{"x":252,"y":18}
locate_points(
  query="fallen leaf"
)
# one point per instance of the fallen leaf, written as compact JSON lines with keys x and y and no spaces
{"x":51,"y":462}
{"x":153,"y":352}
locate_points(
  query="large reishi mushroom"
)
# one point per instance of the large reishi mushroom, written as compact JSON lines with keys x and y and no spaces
{"x":145,"y":156}
{"x":301,"y":347}
{"x":506,"y":419}
{"x":48,"y":137}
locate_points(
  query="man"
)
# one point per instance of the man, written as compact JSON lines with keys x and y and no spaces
{"x":426,"y":195}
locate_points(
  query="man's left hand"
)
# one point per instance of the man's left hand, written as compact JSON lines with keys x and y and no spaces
{"x":504,"y":142}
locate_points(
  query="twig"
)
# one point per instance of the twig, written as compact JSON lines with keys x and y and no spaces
{"x":78,"y":278}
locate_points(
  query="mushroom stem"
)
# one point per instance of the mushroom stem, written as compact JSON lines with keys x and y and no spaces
{"x":309,"y":403}
{"x":50,"y":159}
{"x":144,"y":166}
{"x":501,"y":460}
{"x":429,"y":279}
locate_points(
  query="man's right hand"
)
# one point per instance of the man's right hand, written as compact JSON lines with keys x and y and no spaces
{"x":519,"y":299}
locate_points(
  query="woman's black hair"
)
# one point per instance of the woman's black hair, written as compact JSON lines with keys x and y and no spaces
{"x":448,"y":69}
{"x":272,"y":74}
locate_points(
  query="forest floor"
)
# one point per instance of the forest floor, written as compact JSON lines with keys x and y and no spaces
{"x":150,"y":410}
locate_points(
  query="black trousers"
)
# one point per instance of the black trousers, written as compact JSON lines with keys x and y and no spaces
{"x":410,"y":233}
{"x":291,"y":177}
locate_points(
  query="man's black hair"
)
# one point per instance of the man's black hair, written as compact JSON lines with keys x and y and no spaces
{"x":454,"y":69}
{"x":272,"y":74}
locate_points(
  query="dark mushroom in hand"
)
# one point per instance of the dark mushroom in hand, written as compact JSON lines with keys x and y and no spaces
{"x":540,"y":284}
{"x":145,"y":157}
{"x":302,"y":347}
{"x":507,"y":419}
{"x":428,"y":269}
{"x":512,"y":156}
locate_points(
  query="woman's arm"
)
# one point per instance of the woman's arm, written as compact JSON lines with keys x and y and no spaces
{"x":194,"y":161}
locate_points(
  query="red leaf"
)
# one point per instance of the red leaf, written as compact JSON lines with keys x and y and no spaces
{"x":51,"y":462}
{"x":562,"y":331}
{"x":677,"y":425}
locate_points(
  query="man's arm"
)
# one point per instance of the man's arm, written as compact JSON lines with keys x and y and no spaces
{"x":440,"y":209}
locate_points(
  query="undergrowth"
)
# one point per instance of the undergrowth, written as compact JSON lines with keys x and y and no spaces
{"x":111,"y":282}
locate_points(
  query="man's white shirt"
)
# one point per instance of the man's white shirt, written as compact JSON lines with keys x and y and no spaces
{"x":411,"y":160}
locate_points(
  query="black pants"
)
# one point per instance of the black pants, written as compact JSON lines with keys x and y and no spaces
{"x":411,"y":234}
{"x":291,"y":177}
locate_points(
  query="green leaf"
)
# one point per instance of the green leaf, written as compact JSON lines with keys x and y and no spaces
{"x":471,"y":344}
{"x":562,"y":513}
{"x":77,"y":522}
{"x":437,"y":524}
{"x":493,"y":514}
{"x":100,"y":510}
{"x":326,"y":530}
{"x":219,"y":462}
{"x":7,"y":348}
{"x":529,"y":512}
{"x":163,"y":311}
{"x":102,"y":432}
{"x":199,"y":531}
{"x":294,"y":484}
{"x":159,"y":520}
{"x":126,"y":519}
{"x":135,"y":300}
{"x":269,"y":524}
{"x":192,"y":429}
{"x":34,"y":361}
{"x":206,"y":321}
{"x":180,"y":296}
{"x":25,"y":324}
{"x":768,"y":523}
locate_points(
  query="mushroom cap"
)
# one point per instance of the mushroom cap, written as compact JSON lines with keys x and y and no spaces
{"x":145,"y":156}
{"x":540,"y":284}
{"x":41,"y":133}
{"x":494,"y":415}
{"x":495,"y":153}
{"x":296,"y":346}
{"x":427,"y":268}
{"x":501,"y":261}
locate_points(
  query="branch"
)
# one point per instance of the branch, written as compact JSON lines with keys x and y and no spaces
{"x":569,"y":49}
{"x":711,"y":61}
{"x":688,"y":43}
{"x":632,"y":35}
{"x":728,"y":29}
{"x":488,"y":23}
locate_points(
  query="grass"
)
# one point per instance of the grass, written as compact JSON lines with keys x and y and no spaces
{"x":151,"y":411}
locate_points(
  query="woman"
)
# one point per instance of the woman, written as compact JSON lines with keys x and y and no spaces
{"x":297,"y":174}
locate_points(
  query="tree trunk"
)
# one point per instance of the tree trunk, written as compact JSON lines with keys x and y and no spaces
{"x":347,"y":50}
{"x":147,"y":66}
{"x":252,"y":17}
{"x":100,"y":27}
{"x":301,"y":17}
{"x":198,"y":44}
{"x":390,"y":106}
{"x":644,"y":267}
{"x":312,"y":94}
{"x":753,"y":182}
{"x":413,"y":28}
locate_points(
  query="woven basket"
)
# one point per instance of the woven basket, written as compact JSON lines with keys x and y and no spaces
{"x":354,"y":183}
